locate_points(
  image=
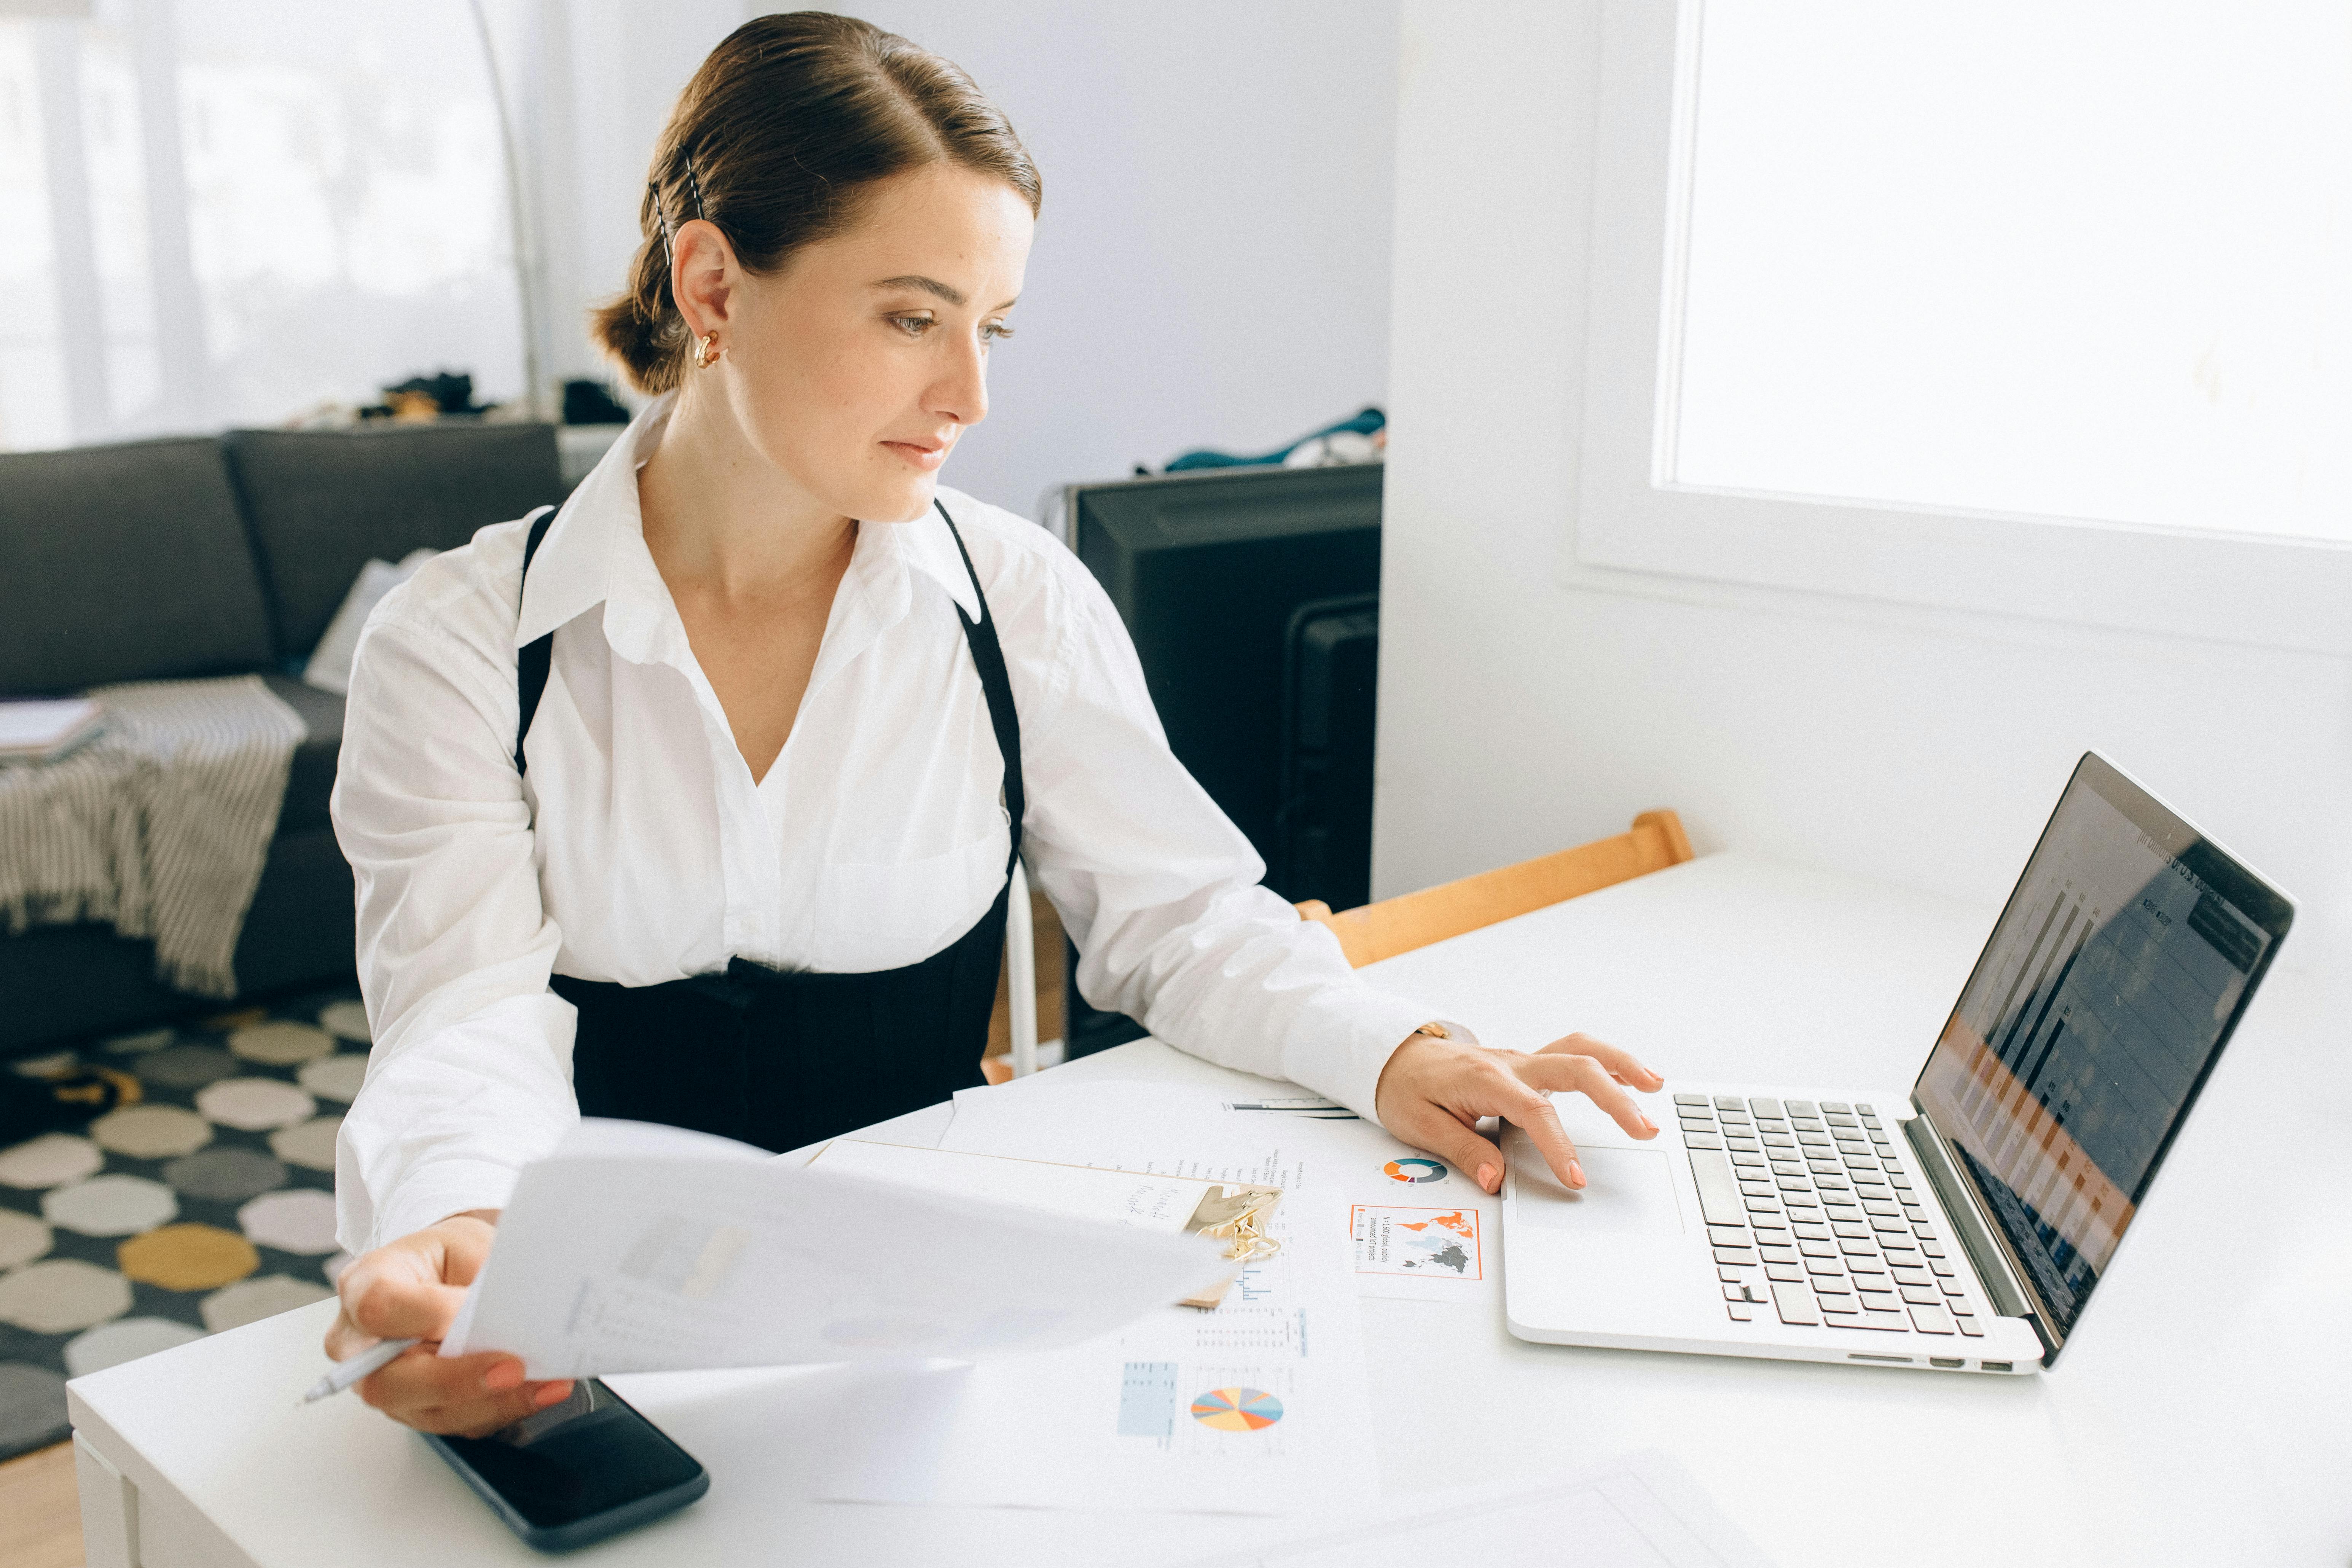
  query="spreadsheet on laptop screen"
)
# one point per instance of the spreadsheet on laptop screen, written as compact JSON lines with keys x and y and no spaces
{"x":2093,"y":1018}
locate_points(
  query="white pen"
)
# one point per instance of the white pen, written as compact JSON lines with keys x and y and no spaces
{"x":347,"y":1372}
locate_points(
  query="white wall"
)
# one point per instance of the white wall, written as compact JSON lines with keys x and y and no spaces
{"x":591,"y":82}
{"x":1519,"y":715}
{"x":1212,"y":264}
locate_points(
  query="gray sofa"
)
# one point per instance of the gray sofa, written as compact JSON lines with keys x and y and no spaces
{"x":200,"y":556}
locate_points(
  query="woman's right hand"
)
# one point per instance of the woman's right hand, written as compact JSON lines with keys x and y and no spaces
{"x":410,"y":1288}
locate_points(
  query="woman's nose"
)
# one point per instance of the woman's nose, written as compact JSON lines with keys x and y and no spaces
{"x":962,"y":393}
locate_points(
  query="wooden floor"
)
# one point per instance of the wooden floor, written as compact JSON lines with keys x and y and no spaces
{"x":41,"y":1515}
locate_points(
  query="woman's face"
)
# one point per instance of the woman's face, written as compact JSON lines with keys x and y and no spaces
{"x":857,"y":366}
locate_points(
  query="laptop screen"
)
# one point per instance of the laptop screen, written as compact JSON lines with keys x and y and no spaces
{"x":2118,"y":969}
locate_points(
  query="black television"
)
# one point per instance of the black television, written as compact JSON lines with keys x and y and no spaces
{"x":1253,"y":596}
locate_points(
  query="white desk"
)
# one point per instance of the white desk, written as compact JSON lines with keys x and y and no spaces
{"x":2197,"y":1418}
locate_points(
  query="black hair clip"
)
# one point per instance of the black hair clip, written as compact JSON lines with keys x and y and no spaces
{"x":694,"y":187}
{"x":661,"y":219}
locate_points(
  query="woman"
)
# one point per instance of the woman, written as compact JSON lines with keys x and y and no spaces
{"x":716,"y":829}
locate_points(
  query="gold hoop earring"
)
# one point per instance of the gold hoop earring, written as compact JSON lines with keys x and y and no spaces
{"x":704,"y":354}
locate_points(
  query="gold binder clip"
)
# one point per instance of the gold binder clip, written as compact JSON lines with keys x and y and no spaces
{"x":1239,"y":1218}
{"x":1236,"y":1216}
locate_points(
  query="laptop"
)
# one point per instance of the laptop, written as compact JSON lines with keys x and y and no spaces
{"x":1963,"y":1225}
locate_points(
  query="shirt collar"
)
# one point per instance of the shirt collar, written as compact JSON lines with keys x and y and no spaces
{"x":594,"y":553}
{"x":924,"y":545}
{"x":571,"y":572}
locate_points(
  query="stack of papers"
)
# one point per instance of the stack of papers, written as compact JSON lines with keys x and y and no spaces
{"x":1409,"y":1226}
{"x":1172,"y":1206}
{"x":1260,"y":1406}
{"x":1013,"y":1296}
{"x":43,"y":730}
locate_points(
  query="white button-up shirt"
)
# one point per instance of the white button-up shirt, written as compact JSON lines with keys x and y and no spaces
{"x":638,"y":848}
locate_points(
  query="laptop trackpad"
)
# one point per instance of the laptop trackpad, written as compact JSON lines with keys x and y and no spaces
{"x":1624,"y":1190}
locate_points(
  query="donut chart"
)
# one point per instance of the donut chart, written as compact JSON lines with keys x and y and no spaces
{"x":1413,"y":1170}
{"x":1237,"y":1409}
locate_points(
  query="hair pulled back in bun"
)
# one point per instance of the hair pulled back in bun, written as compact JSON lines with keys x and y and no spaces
{"x":786,"y":123}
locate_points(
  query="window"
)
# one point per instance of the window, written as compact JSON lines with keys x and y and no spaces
{"x":227,"y":212}
{"x":2037,"y":309}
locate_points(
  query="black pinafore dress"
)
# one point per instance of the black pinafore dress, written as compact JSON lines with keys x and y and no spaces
{"x":777,"y":1057}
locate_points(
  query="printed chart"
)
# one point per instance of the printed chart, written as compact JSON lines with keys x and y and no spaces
{"x":1258,"y":1407}
{"x":1441,"y":1244}
{"x":1217,"y":1392}
{"x":1237,"y":1409}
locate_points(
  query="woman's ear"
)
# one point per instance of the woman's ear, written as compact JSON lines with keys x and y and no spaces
{"x":702,"y":277}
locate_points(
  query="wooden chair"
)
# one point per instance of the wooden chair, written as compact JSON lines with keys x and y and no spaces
{"x":1373,"y":933}
{"x":1416,"y":919}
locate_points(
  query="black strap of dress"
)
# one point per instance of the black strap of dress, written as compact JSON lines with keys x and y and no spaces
{"x":988,"y":657}
{"x":534,"y":658}
{"x":531,"y":660}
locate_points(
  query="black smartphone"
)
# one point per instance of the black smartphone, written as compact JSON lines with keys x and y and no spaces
{"x":578,"y":1471}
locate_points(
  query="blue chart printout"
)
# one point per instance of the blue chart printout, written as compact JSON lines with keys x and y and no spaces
{"x":2083,"y":1035}
{"x":1146,"y":1399}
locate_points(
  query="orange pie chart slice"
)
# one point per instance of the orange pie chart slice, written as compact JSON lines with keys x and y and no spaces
{"x":1237,"y":1409}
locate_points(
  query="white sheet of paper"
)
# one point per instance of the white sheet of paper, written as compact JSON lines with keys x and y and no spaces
{"x":1413,"y":1227}
{"x":1259,"y":1407}
{"x":1640,"y":1511}
{"x":640,"y":1248}
{"x":1160,"y":1204}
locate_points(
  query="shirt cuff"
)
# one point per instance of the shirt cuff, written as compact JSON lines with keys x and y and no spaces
{"x":434,"y":1192}
{"x":1343,"y":1044}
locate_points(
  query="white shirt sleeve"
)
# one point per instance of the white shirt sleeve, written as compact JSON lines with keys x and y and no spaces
{"x":1158,"y":888}
{"x":469,"y":1075}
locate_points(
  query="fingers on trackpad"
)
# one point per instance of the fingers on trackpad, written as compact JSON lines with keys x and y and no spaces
{"x":1626,"y":1190}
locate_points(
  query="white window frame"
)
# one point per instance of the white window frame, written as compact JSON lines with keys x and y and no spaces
{"x":1633,"y":526}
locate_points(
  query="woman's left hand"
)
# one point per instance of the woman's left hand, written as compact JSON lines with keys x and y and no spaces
{"x":1433,"y":1092}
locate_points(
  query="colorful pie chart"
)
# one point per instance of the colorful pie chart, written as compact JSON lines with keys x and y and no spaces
{"x":1237,"y":1409}
{"x":1413,"y":1171}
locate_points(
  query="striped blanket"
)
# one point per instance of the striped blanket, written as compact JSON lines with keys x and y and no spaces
{"x":160,"y":824}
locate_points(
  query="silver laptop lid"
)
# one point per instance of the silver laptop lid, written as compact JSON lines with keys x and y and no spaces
{"x":2121,"y":964}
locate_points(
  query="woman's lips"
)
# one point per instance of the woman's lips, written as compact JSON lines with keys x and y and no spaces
{"x":923,"y":458}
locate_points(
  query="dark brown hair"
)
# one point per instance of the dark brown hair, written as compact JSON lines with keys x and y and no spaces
{"x":786,"y":123}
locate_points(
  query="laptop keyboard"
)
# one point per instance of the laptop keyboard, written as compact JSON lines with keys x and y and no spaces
{"x":1812,"y":1216}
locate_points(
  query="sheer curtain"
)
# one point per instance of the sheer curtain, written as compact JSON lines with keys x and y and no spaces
{"x":229,"y":212}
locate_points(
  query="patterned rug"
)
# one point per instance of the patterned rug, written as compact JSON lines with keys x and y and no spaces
{"x":207,"y":1204}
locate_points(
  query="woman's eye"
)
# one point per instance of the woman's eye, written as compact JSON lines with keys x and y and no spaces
{"x":995,"y":332}
{"x":913,"y":326}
